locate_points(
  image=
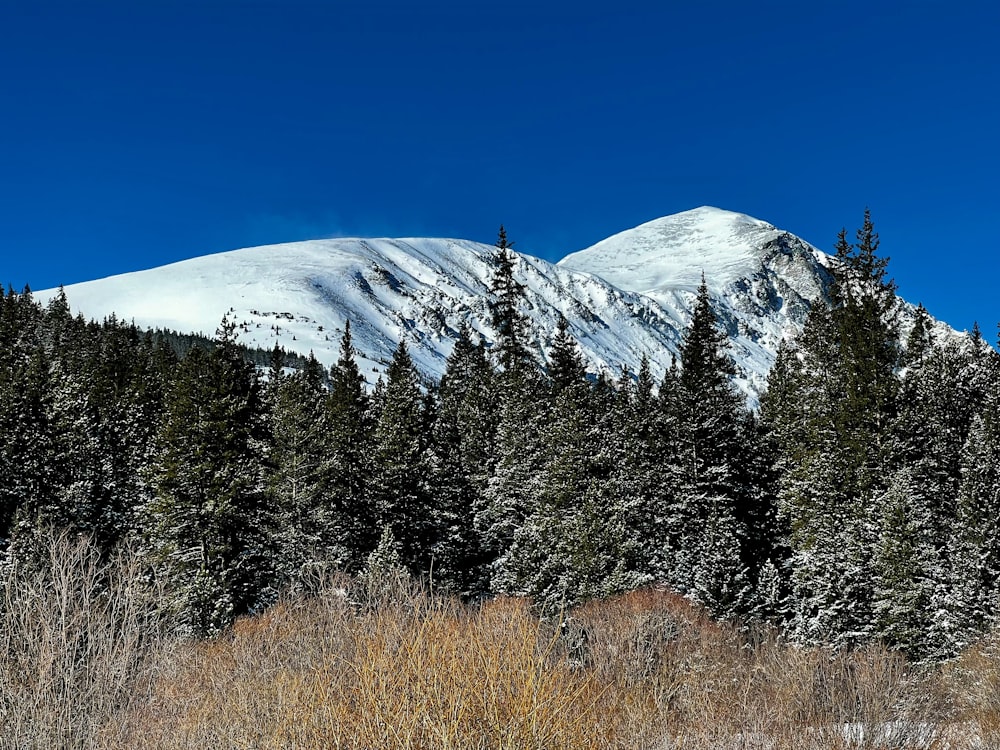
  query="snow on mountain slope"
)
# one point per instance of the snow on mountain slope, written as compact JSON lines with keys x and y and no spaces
{"x":762,"y":279}
{"x":301,"y":294}
{"x":627,"y":296}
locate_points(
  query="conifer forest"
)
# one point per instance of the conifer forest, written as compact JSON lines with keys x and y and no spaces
{"x":858,"y":505}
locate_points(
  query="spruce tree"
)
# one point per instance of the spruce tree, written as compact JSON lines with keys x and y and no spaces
{"x":29,"y":500}
{"x":865,"y":318}
{"x":507,"y":294}
{"x":937,"y":406}
{"x":305,"y":533}
{"x":571,"y":544}
{"x":463,"y":437}
{"x":401,"y":468}
{"x":565,"y":367}
{"x":830,"y":407}
{"x":207,"y":529}
{"x":919,"y":340}
{"x":129,"y":388}
{"x":523,"y":411}
{"x":641,"y":476}
{"x":715,"y":506}
{"x":347,"y":468}
{"x":975,"y":542}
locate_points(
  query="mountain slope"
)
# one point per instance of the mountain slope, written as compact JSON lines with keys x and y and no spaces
{"x":762,"y":279}
{"x":627,"y":296}
{"x":301,"y":294}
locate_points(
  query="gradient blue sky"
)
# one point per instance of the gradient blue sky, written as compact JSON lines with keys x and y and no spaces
{"x":142,"y":132}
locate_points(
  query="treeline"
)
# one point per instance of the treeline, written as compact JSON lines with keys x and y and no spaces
{"x":859,"y":504}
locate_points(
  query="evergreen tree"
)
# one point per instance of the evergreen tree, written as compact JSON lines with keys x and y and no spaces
{"x":937,"y":406}
{"x":129,"y":388}
{"x":401,"y":468}
{"x":347,"y":469}
{"x":919,"y":340}
{"x":206,"y":531}
{"x":829,"y":410}
{"x":77,"y":424}
{"x":29,"y":491}
{"x":505,"y":313}
{"x":975,"y":544}
{"x":571,"y":544}
{"x":104,"y":412}
{"x":566,"y":366}
{"x":864,"y":315}
{"x":641,"y":475}
{"x":906,"y":566}
{"x":464,"y":434}
{"x":523,"y":411}
{"x":305,"y":526}
{"x":715,"y":505}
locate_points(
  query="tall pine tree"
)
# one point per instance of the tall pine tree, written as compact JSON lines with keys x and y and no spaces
{"x":206,"y":530}
{"x":401,"y":467}
{"x":346,"y":472}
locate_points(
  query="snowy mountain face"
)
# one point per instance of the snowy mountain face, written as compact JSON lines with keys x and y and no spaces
{"x":627,"y":296}
{"x":762,"y":280}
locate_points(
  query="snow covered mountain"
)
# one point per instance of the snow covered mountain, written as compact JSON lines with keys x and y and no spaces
{"x":626,"y":296}
{"x":762,"y":279}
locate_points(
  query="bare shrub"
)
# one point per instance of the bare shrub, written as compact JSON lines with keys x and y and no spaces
{"x":716,"y":686}
{"x":76,"y":635}
{"x":385,"y":664}
{"x":424,"y":672}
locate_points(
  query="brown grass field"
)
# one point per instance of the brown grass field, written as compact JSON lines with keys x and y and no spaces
{"x":88,"y":662}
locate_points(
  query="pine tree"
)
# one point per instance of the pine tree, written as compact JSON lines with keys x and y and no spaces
{"x":571,"y":544}
{"x":104,"y":415}
{"x":937,"y":406}
{"x":820,"y":515}
{"x":464,"y":434}
{"x":906,"y":566}
{"x":76,"y":422}
{"x":29,"y":490}
{"x":975,"y":543}
{"x":715,"y":506}
{"x":505,"y":314}
{"x":864,"y":315}
{"x":523,"y":411}
{"x":919,"y":340}
{"x":566,"y":366}
{"x":206,"y":532}
{"x":636,"y":472}
{"x":829,"y":410}
{"x":347,"y":469}
{"x":305,"y":531}
{"x":129,"y":388}
{"x":400,"y":485}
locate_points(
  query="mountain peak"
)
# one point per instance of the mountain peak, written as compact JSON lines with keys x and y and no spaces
{"x":626,"y":298}
{"x":762,"y":280}
{"x":674,"y":251}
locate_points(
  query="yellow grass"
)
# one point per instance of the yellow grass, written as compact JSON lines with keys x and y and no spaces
{"x":402,"y":669}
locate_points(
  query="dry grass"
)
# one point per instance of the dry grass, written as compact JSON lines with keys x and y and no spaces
{"x":645,"y":670}
{"x":395,"y":668}
{"x":721,"y":688}
{"x":410,"y":672}
{"x":973,"y":681}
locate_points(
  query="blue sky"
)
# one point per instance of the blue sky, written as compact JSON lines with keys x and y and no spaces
{"x":134,"y":134}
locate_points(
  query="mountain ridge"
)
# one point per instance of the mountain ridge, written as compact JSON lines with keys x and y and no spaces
{"x":626,"y":297}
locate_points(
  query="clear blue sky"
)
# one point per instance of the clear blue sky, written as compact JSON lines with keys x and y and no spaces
{"x":141,"y":132}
